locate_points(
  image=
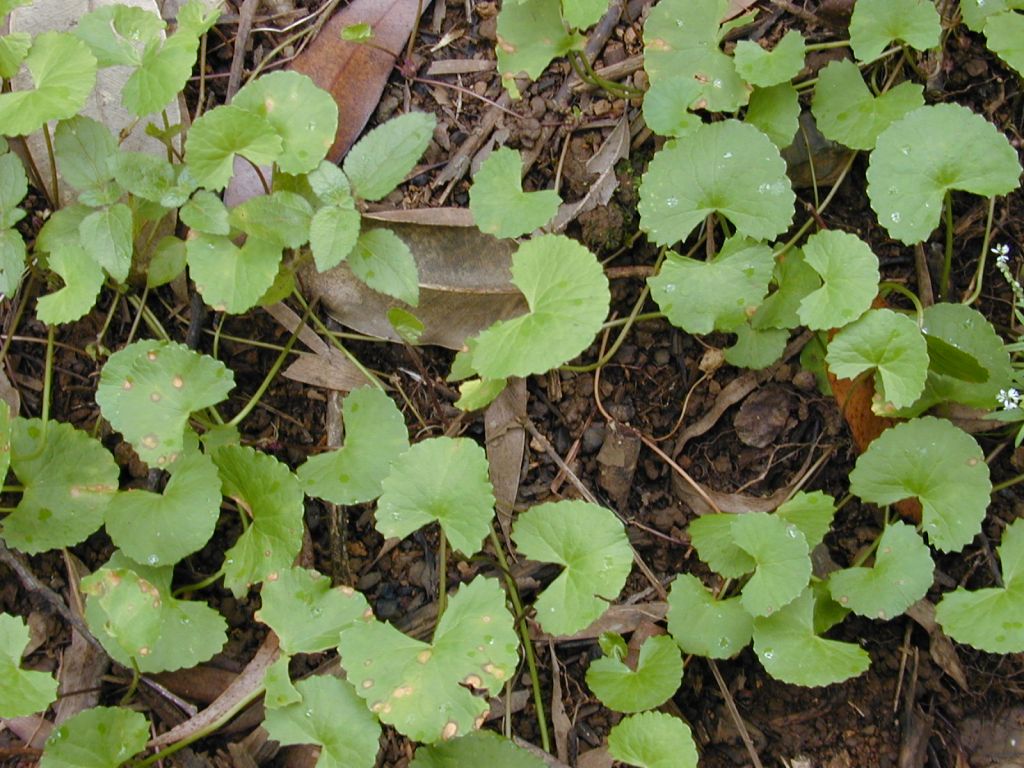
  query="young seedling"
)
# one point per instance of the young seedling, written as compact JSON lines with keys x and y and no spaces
{"x":653,"y":740}
{"x":659,"y":670}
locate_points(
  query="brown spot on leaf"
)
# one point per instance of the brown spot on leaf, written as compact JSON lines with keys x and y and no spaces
{"x":450,"y":730}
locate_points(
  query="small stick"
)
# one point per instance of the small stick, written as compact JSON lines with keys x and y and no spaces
{"x":735,"y":713}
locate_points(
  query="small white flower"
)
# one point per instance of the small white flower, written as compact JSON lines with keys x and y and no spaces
{"x":1002,"y":252}
{"x":1009,"y":399}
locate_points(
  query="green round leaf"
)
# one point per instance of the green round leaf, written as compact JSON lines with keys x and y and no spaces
{"x":935,"y":462}
{"x":167,"y":262}
{"x":101,"y":737}
{"x":303,"y":115}
{"x":653,"y":740}
{"x":765,"y":68}
{"x":132,"y":609}
{"x":69,"y":480}
{"x":901,"y":576}
{"x":333,"y":232}
{"x":711,"y":536}
{"x":791,"y":652}
{"x":658,"y":672}
{"x":162,"y":74}
{"x":811,"y":512}
{"x":116,"y":34}
{"x":702,"y":625}
{"x":756,"y":348}
{"x":14,"y":47}
{"x":5,"y":438}
{"x":443,"y":479}
{"x":280,"y":691}
{"x":381,"y":159}
{"x":86,"y":154}
{"x":876,"y":23}
{"x":375,"y":436}
{"x":205,"y":212}
{"x":849,"y":270}
{"x":591,"y":543}
{"x":281,"y":218}
{"x":1004,"y":36}
{"x":83,"y":279}
{"x":476,"y":748}
{"x":153,"y":178}
{"x":776,"y":112}
{"x":783,"y":561}
{"x":22,"y":692}
{"x":426,"y":690}
{"x":726,"y":167}
{"x":531,"y":34}
{"x":230,"y":278}
{"x":666,"y":107}
{"x":568,"y":296}
{"x":216,"y":137}
{"x":383,"y":261}
{"x":498,"y":203}
{"x":795,"y":280}
{"x":976,"y":12}
{"x":920,"y":157}
{"x":148,"y":390}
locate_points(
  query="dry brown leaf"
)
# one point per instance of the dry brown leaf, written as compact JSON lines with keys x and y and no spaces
{"x":940,"y":647}
{"x":505,"y":438}
{"x":622,"y":619}
{"x":326,"y":367}
{"x":601,"y":165}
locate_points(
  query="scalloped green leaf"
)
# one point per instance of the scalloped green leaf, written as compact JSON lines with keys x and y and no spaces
{"x":659,"y":670}
{"x":126,"y":601}
{"x":205,"y":212}
{"x":154,"y":179}
{"x":148,"y":390}
{"x":591,"y":543}
{"x":776,"y":112}
{"x":935,"y":462}
{"x":847,"y":112}
{"x":100,"y":737}
{"x":12,"y":260}
{"x":306,"y":612}
{"x":82,"y":278}
{"x":704,"y":296}
{"x":530,"y":35}
{"x":476,"y":748}
{"x":794,"y":280}
{"x":727,"y":167}
{"x":330,"y":185}
{"x":766,"y":68}
{"x":13,"y":188}
{"x":443,"y":479}
{"x":86,"y":153}
{"x":756,"y":348}
{"x":919,"y":158}
{"x":270,"y":497}
{"x":63,"y":72}
{"x":117,"y":34}
{"x":333,"y":232}
{"x":220,"y":134}
{"x":14,"y":47}
{"x":976,"y":12}
{"x":849,"y":272}
{"x":711,"y":536}
{"x":900,"y":576}
{"x":1004,"y":36}
{"x":990,"y":619}
{"x":383,"y":261}
{"x":811,"y":512}
{"x":280,"y":690}
{"x":783,"y":561}
{"x":162,"y":528}
{"x":498,"y":203}
{"x":281,"y":218}
{"x":666,"y":107}
{"x":791,"y":652}
{"x":375,"y":435}
{"x":582,"y":14}
{"x":889,"y":343}
{"x":69,"y":479}
{"x":379,"y":161}
{"x":231,"y":278}
{"x":303,"y":115}
{"x":876,"y":23}
{"x":106,"y":235}
{"x":681,"y":44}
{"x":704,"y":625}
{"x":653,"y":740}
{"x":567,"y":292}
{"x":22,"y":692}
{"x":426,"y":691}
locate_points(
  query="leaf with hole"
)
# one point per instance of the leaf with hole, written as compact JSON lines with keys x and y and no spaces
{"x":381,"y":159}
{"x":426,"y":690}
{"x":100,"y":737}
{"x":442,"y":479}
{"x":232,"y":278}
{"x":919,"y":159}
{"x":935,"y":462}
{"x":475,"y":748}
{"x":727,"y":167}
{"x":22,"y":692}
{"x":281,"y":218}
{"x":776,"y":112}
{"x":766,"y":68}
{"x":876,"y":23}
{"x":222,"y":133}
{"x":86,"y":155}
{"x":659,"y":670}
{"x":653,"y":740}
{"x":704,"y":625}
{"x":383,"y":261}
{"x":148,"y":390}
{"x":591,"y":543}
{"x":499,"y":205}
{"x":530,"y":35}
{"x":849,"y":272}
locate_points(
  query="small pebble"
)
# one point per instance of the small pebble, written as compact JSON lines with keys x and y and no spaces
{"x":593,"y":438}
{"x":662,"y":356}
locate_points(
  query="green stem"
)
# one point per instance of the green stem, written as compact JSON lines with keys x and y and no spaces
{"x":26,"y":291}
{"x":271,"y":374}
{"x":47,"y":375}
{"x":627,"y":326}
{"x":980,"y":274}
{"x":13,"y":488}
{"x":198,"y":585}
{"x":107,"y":320}
{"x":629,"y":320}
{"x":338,"y":345}
{"x":1008,"y":483}
{"x":589,"y":75}
{"x":133,"y":685}
{"x":53,"y":165}
{"x":524,"y":632}
{"x":868,"y":552}
{"x":820,"y":209}
{"x":442,"y":575}
{"x":887,"y":285}
{"x":947,"y":261}
{"x":826,"y":46}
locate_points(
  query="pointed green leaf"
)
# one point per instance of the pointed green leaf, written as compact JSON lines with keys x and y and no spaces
{"x":479,"y":393}
{"x":811,"y":512}
{"x":776,"y":112}
{"x":375,"y":436}
{"x":703,"y":625}
{"x":162,"y":74}
{"x":703,"y":296}
{"x":13,"y":188}
{"x":500,"y":206}
{"x":381,"y":159}
{"x":12,"y":260}
{"x":766,"y":68}
{"x":281,"y":218}
{"x":889,"y":343}
{"x":220,"y":134}
{"x":383,"y":261}
{"x":22,"y":692}
{"x":86,"y":152}
{"x":69,"y":479}
{"x":148,"y":390}
{"x":196,"y":17}
{"x":14,"y":47}
{"x":935,"y":462}
{"x":666,"y":107}
{"x":790,"y":651}
{"x":530,"y":35}
{"x":901,"y":576}
{"x":64,"y":73}
{"x":795,"y":280}
{"x":152,"y":178}
{"x":920,"y":157}
{"x":326,"y":702}
{"x":303,"y":115}
{"x":783,"y":561}
{"x":167,"y":261}
{"x":659,"y":669}
{"x":711,"y":536}
{"x":475,"y":748}
{"x":976,"y":12}
{"x":876,"y":23}
{"x":106,"y":235}
{"x":756,"y":348}
{"x":83,"y":279}
{"x":847,"y":112}
{"x":205,"y":212}
{"x":849,"y":270}
{"x":653,"y":740}
{"x":305,"y":612}
{"x":591,"y":543}
{"x":1004,"y":36}
{"x":101,"y":737}
{"x":990,"y":619}
{"x":568,"y":296}
{"x":117,"y":34}
{"x":187,"y":632}
{"x":443,"y":479}
{"x":726,"y":167}
{"x":271,"y":499}
{"x":330,"y":184}
{"x":230,"y":278}
{"x":161,"y":529}
{"x":333,"y":232}
{"x":426,"y":691}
